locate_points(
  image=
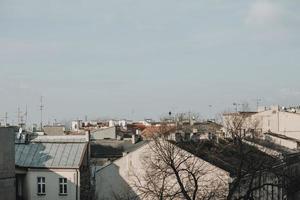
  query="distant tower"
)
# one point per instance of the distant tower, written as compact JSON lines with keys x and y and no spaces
{"x":41,"y":109}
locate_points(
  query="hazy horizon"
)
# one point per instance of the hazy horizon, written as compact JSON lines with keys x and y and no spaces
{"x":140,"y":59}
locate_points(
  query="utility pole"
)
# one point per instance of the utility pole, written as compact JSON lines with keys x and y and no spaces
{"x":21,"y":121}
{"x":210,"y":112}
{"x":26,"y":116}
{"x":41,"y":109}
{"x":257,"y":103}
{"x":6,"y":118}
{"x":19,"y":113}
{"x":236,"y":107}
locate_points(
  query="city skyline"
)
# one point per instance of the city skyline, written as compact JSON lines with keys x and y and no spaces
{"x":135,"y":59}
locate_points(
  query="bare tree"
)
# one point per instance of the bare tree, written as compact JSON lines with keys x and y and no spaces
{"x":255,"y":171}
{"x":172,"y":173}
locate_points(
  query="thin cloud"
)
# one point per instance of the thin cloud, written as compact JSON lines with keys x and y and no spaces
{"x":290,"y":92}
{"x":264,"y":13}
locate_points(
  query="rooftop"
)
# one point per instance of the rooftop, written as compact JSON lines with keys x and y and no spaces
{"x":49,"y":155}
{"x":60,"y":138}
{"x":113,"y":148}
{"x":225,"y":154}
{"x":240,"y":113}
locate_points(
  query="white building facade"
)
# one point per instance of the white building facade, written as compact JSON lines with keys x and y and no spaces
{"x":49,"y":184}
{"x":275,"y":124}
{"x":52,"y":170}
{"x":279,"y":121}
{"x":116,"y":180}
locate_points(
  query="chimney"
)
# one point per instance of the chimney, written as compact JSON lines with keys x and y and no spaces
{"x":87,"y":135}
{"x":133,"y":138}
{"x":137,"y":132}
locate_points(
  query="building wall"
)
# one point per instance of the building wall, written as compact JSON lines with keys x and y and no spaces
{"x":104,"y":134}
{"x":7,"y":189}
{"x":283,"y":142}
{"x":76,"y":125}
{"x":52,"y":184}
{"x":284,"y":123}
{"x":7,"y":164}
{"x":230,"y":122}
{"x":54,"y":130}
{"x":289,"y":124}
{"x":116,"y":179}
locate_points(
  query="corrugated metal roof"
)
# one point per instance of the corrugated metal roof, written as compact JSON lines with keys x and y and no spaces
{"x":49,"y":155}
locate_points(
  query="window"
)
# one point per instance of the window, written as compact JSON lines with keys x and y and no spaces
{"x":63,"y":189}
{"x":41,"y":186}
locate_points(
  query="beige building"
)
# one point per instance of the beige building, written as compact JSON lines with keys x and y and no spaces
{"x":117,"y":179}
{"x":54,"y":130}
{"x":52,"y":169}
{"x":104,"y":133}
{"x":275,"y":124}
{"x":280,"y":125}
{"x":279,"y":120}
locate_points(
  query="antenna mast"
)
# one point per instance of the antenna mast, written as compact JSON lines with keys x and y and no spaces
{"x":26,"y":116}
{"x":6,"y":118}
{"x":258,"y":100}
{"x":19,"y":114}
{"x":41,"y":109}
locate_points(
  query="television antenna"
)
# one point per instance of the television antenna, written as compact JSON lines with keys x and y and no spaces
{"x":6,"y":118}
{"x":41,"y":110}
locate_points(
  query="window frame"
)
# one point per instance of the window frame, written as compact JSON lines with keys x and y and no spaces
{"x":63,"y":186}
{"x":41,"y":185}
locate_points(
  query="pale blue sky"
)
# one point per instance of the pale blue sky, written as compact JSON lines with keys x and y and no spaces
{"x":138,"y":58}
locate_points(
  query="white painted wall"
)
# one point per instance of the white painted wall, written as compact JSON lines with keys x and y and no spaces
{"x":117,"y":178}
{"x":76,"y":125}
{"x":104,"y":133}
{"x":280,"y":122}
{"x":52,"y":184}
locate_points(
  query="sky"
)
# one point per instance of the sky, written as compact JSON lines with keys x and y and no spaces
{"x":141,"y":59}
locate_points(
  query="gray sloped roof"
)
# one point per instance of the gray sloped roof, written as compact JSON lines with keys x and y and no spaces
{"x":58,"y":138}
{"x":113,"y":148}
{"x":49,"y":155}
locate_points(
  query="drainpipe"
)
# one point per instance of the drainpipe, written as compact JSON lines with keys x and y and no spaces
{"x":278,"y":121}
{"x":77,"y":183}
